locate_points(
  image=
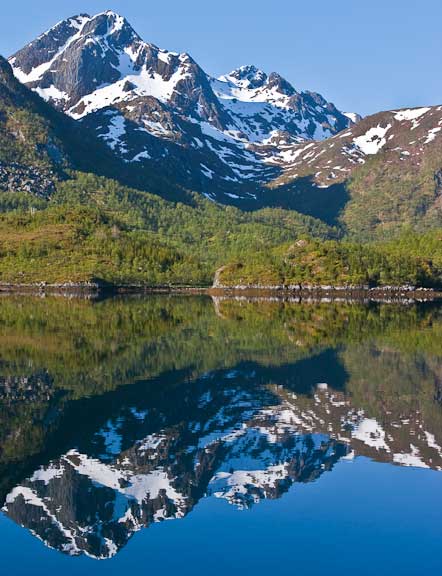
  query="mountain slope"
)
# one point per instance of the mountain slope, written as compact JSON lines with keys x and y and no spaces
{"x":88,"y":227}
{"x":155,"y":109}
{"x":390,"y":165}
{"x":38,"y":144}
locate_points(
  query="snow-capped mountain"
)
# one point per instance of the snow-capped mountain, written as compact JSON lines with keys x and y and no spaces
{"x":224,"y":137}
{"x":264,"y":108}
{"x":246,"y":138}
{"x":38,"y":143}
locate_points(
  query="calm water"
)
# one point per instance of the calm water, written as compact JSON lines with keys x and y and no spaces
{"x":179,"y":435}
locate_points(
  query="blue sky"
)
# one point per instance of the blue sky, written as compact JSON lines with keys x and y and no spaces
{"x":364,"y":55}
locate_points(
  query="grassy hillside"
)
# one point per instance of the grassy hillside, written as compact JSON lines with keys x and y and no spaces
{"x":373,"y":186}
{"x":386,"y":195}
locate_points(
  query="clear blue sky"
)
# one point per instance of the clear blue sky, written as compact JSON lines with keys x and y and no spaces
{"x":364,"y":55}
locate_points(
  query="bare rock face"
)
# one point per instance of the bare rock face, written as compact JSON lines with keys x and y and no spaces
{"x":74,"y":57}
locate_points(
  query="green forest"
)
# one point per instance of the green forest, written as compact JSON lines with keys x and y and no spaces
{"x":95,"y":229}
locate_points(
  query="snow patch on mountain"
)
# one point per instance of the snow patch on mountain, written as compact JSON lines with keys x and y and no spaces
{"x":373,"y":140}
{"x":371,"y":433}
{"x":432,"y":134}
{"x":116,"y":132}
{"x":411,"y":459}
{"x":141,"y":82}
{"x":353,"y":116}
{"x":410,"y":114}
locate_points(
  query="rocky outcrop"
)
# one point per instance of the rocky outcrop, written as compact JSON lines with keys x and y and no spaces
{"x":20,"y":178}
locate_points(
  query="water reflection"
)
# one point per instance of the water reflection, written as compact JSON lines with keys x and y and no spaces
{"x":124,"y":413}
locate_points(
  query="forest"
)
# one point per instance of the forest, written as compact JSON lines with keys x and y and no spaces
{"x":94,"y":229}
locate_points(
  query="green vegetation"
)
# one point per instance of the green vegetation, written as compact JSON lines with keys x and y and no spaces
{"x":61,"y":222}
{"x":387,"y":194}
{"x":85,"y":348}
{"x":94,"y":228}
{"x":410,"y":259}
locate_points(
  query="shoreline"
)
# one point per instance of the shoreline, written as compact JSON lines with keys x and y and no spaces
{"x":97,"y":289}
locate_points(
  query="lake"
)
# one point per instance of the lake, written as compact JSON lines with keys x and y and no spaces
{"x":197,"y":435}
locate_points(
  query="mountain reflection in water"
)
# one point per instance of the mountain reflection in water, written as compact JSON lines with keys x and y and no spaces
{"x":123,"y":413}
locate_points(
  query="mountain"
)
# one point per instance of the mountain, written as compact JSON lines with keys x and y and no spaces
{"x":40,"y":146}
{"x":247,"y":138}
{"x":390,"y":164}
{"x":157,"y":110}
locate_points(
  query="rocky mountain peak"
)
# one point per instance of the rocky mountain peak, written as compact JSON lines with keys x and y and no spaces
{"x":75,"y":57}
{"x":280,"y":84}
{"x":247,"y":77}
{"x":110,"y":25}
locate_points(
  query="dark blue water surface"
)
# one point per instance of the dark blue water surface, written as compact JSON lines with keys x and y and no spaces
{"x":182,"y":435}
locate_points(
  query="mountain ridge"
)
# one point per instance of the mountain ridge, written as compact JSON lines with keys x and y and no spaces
{"x":160,"y":109}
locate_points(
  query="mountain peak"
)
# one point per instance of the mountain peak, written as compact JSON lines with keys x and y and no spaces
{"x":280,"y":84}
{"x":109,"y":24}
{"x":248,"y":76}
{"x":73,"y":23}
{"x":110,"y":13}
